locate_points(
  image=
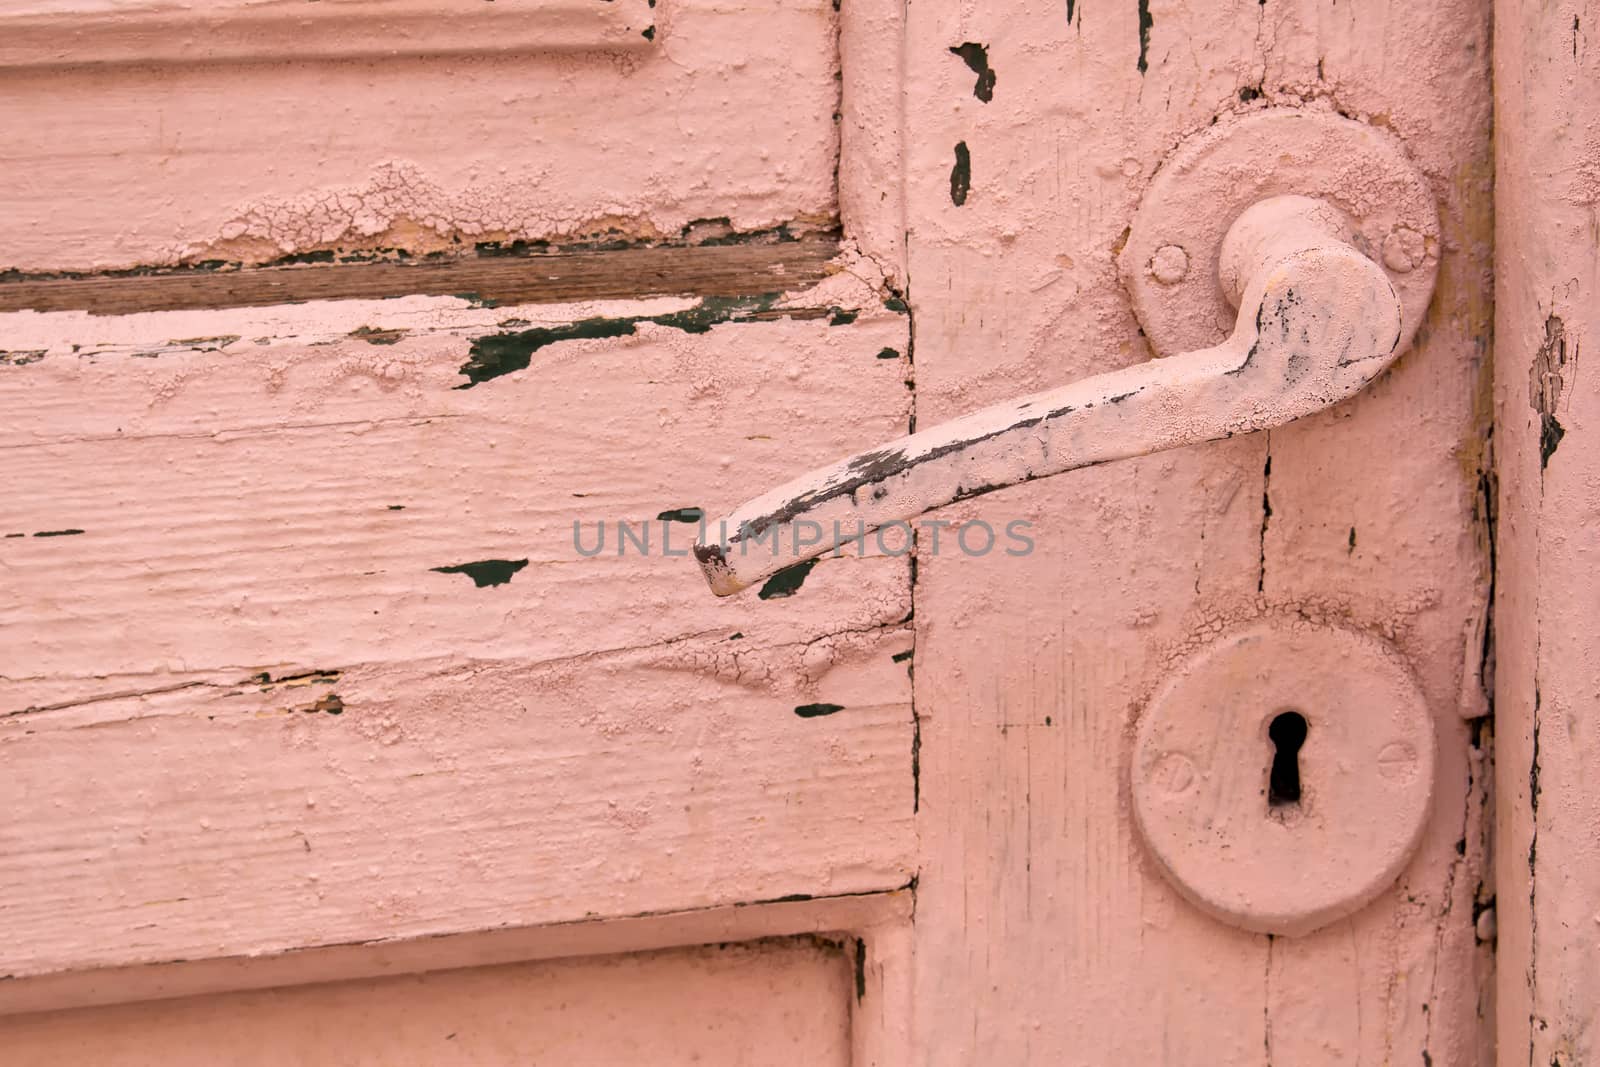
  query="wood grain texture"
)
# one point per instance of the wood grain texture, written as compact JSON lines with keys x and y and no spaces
{"x":1045,"y":934}
{"x":1547,"y":613}
{"x":741,"y":269}
{"x":264,"y":701}
{"x":251,"y":162}
{"x":38,"y":33}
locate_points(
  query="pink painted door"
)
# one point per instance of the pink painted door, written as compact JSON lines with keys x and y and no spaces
{"x":366,"y":371}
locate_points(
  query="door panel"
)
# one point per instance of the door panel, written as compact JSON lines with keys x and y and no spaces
{"x":303,"y":647}
{"x":325,"y":655}
{"x":45,"y":33}
{"x":271,"y":156}
{"x":780,"y":1003}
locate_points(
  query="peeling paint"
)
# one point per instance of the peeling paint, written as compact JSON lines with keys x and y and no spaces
{"x":1547,"y":378}
{"x":787,"y":582}
{"x":961,"y":175}
{"x":375,"y":336}
{"x":486,"y":572}
{"x":1146,"y":23}
{"x":976,"y":57}
{"x":812,"y":711}
{"x":493,"y":355}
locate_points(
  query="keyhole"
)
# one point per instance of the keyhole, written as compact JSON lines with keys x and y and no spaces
{"x":1288,"y":733}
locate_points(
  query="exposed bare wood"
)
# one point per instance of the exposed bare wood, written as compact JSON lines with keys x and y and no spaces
{"x":739,"y":269}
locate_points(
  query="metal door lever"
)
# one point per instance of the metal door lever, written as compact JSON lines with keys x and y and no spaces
{"x":1317,"y":321}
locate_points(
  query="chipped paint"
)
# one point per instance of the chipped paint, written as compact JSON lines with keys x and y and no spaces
{"x":976,"y":57}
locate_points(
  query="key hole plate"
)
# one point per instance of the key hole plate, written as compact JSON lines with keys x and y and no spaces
{"x":1282,"y":776}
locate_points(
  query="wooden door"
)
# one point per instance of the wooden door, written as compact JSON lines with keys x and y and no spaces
{"x":333,"y":334}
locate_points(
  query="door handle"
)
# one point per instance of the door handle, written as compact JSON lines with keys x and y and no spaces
{"x":1317,"y":320}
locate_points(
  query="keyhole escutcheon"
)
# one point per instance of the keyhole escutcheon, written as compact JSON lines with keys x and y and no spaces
{"x":1283,"y":775}
{"x":1287,"y":731}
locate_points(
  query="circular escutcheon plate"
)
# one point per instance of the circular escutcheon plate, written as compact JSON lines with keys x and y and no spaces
{"x":1228,"y":831}
{"x":1169,"y":262}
